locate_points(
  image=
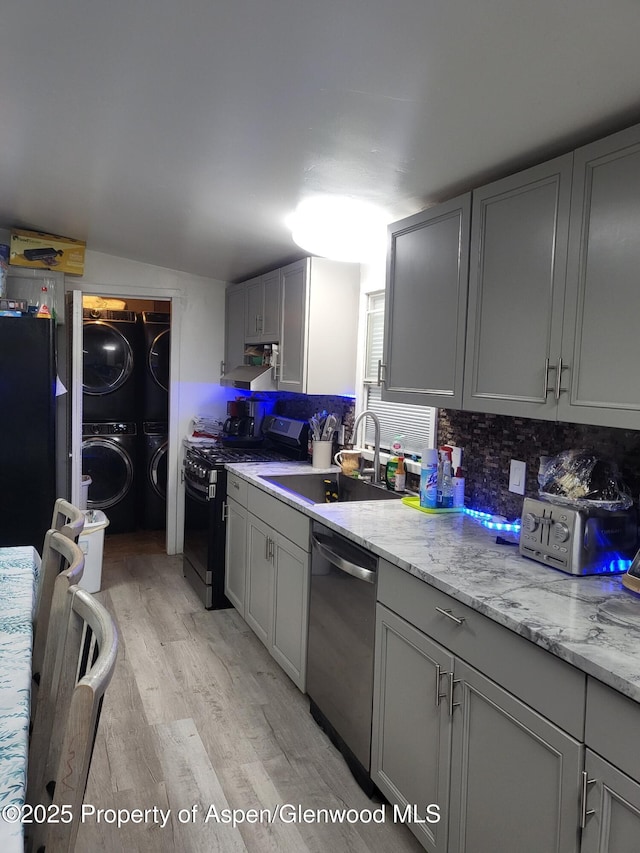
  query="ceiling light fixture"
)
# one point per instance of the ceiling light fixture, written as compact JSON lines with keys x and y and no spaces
{"x":340,"y":228}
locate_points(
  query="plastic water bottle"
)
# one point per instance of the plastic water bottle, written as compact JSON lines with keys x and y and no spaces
{"x":429,"y":478}
{"x":446,"y":500}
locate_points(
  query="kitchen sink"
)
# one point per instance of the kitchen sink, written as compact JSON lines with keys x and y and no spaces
{"x":323,"y":488}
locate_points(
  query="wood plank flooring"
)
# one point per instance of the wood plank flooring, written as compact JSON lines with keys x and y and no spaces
{"x":199,"y":715}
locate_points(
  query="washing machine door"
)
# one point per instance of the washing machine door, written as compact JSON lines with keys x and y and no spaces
{"x":158,"y":359}
{"x":111,"y":471}
{"x":107,"y":358}
{"x":158,"y":471}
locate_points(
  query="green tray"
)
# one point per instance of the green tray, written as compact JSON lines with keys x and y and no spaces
{"x":414,"y":503}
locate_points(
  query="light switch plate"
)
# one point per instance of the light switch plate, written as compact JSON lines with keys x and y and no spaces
{"x":517,"y":476}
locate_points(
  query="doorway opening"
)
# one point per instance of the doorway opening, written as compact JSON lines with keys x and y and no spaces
{"x":125,"y":409}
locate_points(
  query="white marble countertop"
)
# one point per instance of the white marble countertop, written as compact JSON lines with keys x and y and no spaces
{"x":591,"y":622}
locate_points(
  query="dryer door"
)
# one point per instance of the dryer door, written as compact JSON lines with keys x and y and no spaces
{"x":107,"y":358}
{"x":111,"y":471}
{"x":158,"y":471}
{"x":158,"y":359}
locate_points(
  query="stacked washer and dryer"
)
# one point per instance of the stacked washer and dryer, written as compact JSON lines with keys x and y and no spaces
{"x":125,"y":416}
{"x":156,"y":329}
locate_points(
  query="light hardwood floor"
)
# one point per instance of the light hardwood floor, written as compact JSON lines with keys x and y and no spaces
{"x":198,"y":715}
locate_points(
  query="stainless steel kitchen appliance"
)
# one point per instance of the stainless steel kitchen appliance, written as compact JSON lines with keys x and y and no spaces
{"x":243,"y":426}
{"x":342,"y":610}
{"x":205,"y":481}
{"x":576,"y":540}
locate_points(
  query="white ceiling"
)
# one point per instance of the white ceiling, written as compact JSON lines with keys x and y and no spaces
{"x":182,"y":133}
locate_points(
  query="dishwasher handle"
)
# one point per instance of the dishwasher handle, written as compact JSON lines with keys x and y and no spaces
{"x":341,"y":563}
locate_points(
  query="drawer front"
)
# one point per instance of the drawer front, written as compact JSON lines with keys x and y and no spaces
{"x":552,"y":687}
{"x":282,"y":518}
{"x":237,"y":488}
{"x":612,"y":724}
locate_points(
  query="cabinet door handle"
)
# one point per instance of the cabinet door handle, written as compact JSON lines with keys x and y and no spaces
{"x":271,"y":549}
{"x":452,"y":683}
{"x":584,"y":812}
{"x":225,"y":513}
{"x":259,"y":323}
{"x":438,"y":695}
{"x":457,"y":619}
{"x":559,"y":370}
{"x":222,"y":368}
{"x":545,"y":380}
{"x":266,"y":548}
{"x":381,"y":367}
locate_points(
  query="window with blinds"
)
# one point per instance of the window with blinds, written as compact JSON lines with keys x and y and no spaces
{"x":416,"y":423}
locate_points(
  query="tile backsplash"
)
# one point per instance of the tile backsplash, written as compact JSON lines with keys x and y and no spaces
{"x":491,"y":441}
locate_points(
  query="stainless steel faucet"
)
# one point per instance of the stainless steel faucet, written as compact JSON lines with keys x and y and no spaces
{"x":375,"y":471}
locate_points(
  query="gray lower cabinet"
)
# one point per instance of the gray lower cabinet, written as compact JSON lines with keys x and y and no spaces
{"x":514,"y":775}
{"x":267,"y":573}
{"x":260,"y":575}
{"x":425,"y":306}
{"x":517,"y":267}
{"x":612,"y":809}
{"x":236,"y":555}
{"x":412,"y":724}
{"x":446,"y":735}
{"x":476,"y":720}
{"x":290,"y":609}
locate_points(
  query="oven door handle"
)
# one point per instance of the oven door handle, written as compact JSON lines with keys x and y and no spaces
{"x":341,"y":563}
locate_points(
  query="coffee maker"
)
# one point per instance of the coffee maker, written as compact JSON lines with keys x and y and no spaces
{"x":243,"y":426}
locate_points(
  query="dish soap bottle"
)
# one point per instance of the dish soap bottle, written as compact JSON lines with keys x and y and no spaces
{"x":444,"y":498}
{"x":397,"y":451}
{"x":401,"y":477}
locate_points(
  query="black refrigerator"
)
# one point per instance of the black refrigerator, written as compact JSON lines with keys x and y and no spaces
{"x":27,"y":429}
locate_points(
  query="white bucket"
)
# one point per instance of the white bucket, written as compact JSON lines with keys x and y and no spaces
{"x":91,"y":544}
{"x":84,"y":491}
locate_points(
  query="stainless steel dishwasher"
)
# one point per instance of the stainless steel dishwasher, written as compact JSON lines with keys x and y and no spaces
{"x":342,"y":609}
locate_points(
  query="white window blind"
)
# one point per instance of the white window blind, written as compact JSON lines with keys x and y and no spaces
{"x":416,"y":423}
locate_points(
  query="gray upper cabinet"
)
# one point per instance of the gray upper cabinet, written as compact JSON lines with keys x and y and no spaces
{"x":292,"y":367}
{"x":262,"y":308}
{"x":600,"y":343}
{"x":517,"y":268}
{"x":234,"y":326}
{"x":426,"y":299}
{"x":319,"y":331}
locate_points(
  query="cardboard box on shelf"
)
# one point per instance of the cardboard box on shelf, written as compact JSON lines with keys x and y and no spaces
{"x":38,"y":250}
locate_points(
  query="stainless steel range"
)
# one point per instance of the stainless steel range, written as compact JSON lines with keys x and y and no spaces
{"x":205,"y":480}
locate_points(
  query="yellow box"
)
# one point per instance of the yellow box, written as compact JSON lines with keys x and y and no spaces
{"x":41,"y":251}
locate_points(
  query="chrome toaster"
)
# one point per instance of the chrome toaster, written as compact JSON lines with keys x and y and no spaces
{"x":578,"y":541}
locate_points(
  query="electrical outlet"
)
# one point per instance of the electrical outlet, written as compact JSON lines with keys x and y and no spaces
{"x":517,"y":476}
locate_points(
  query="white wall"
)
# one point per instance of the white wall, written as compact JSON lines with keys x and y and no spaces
{"x":197,"y":336}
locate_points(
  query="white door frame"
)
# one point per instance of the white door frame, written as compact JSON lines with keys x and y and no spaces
{"x":175,"y":491}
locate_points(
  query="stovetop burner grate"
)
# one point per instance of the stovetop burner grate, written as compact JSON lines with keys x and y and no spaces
{"x":221,"y":455}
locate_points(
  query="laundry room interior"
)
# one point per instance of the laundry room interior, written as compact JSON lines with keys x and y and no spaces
{"x":125,"y":409}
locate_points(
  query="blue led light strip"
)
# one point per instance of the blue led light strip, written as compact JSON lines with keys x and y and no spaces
{"x":486,"y":519}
